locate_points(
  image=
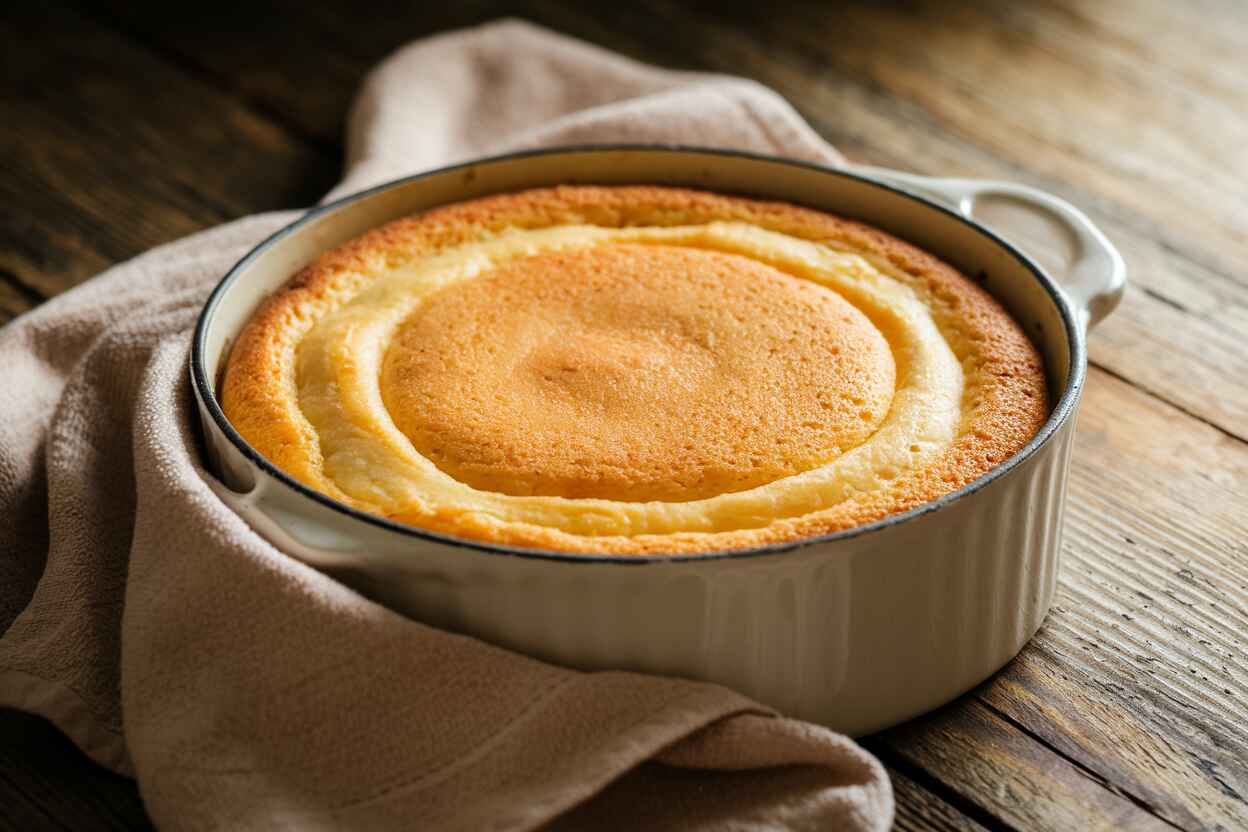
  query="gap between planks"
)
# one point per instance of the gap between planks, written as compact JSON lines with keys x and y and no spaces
{"x":1079,"y":766}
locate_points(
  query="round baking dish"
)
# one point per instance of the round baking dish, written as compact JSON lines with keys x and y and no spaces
{"x":857,"y":630}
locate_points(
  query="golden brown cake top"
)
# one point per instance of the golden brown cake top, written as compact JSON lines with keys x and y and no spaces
{"x":632,"y":370}
{"x":635,"y":372}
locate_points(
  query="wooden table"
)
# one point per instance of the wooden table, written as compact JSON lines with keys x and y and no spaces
{"x":127,"y":128}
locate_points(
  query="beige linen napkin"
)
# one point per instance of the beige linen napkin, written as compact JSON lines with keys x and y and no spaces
{"x":244,"y":690}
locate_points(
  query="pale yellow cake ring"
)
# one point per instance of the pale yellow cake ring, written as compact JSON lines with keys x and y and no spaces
{"x":632,"y":370}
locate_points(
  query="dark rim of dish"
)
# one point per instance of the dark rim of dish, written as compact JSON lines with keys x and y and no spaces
{"x":1057,"y":417}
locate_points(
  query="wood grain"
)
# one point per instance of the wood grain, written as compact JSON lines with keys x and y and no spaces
{"x":919,"y":808}
{"x":15,"y":298}
{"x":309,"y":90}
{"x":1141,"y":672}
{"x":1020,"y":782}
{"x":108,"y":151}
{"x":45,"y":783}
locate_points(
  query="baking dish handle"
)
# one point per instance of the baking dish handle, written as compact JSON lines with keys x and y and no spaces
{"x":291,"y":522}
{"x":1055,"y":233}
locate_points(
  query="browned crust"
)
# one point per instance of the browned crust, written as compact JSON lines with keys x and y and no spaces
{"x":1000,"y":416}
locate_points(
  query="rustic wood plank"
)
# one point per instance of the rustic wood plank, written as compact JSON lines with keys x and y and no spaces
{"x":919,"y":809}
{"x":47,"y":783}
{"x":21,"y":814}
{"x":989,"y":763}
{"x":1141,"y":672}
{"x":108,"y":151}
{"x":15,"y":298}
{"x":301,"y":62}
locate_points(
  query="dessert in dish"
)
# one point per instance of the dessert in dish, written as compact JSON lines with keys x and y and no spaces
{"x":632,"y":370}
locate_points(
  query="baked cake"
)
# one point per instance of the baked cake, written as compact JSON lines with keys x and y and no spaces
{"x":631,"y":371}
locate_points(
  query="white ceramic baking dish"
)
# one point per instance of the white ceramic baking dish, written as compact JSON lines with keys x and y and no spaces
{"x":857,"y":630}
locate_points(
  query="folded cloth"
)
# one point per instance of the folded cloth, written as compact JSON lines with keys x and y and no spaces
{"x":245,"y":690}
